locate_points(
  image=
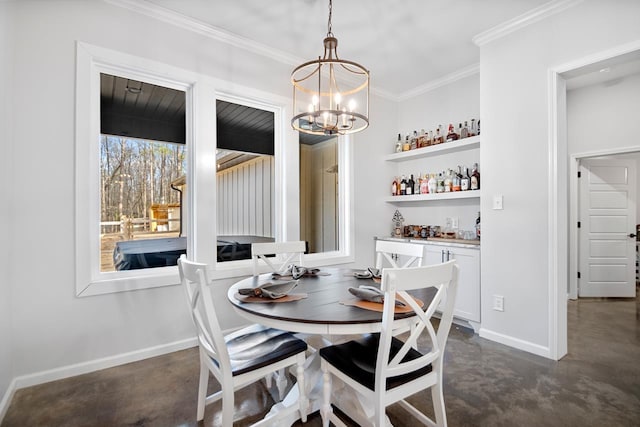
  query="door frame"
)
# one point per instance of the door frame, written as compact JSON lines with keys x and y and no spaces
{"x":559,"y":175}
{"x":574,"y":208}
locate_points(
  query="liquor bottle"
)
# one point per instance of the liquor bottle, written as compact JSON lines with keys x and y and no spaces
{"x":447,"y":181}
{"x":424,"y":184}
{"x":403,"y":186}
{"x":414,"y":140}
{"x":430,"y":138}
{"x":455,"y":182}
{"x":452,"y":135}
{"x":407,"y":144}
{"x":464,"y":132}
{"x":394,"y":186}
{"x":465,"y":181}
{"x":422,"y":139}
{"x":475,"y":178}
{"x":432,"y":184}
{"x":473,"y":131}
{"x":440,"y":188}
{"x":478,"y":226}
{"x":399,"y":144}
{"x":416,"y":184}
{"x":439,"y":136}
{"x":409,"y":186}
{"x":478,"y":128}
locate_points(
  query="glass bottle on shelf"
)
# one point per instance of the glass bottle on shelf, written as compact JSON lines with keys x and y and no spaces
{"x":424,"y":184}
{"x":409,"y":186}
{"x":478,"y":128}
{"x":465,"y":181}
{"x":478,"y":226}
{"x":440,"y":188}
{"x":432,"y":184}
{"x":439,"y":136}
{"x":430,"y":138}
{"x":464,"y":132}
{"x":407,"y":144}
{"x":455,"y":181}
{"x":452,"y":135}
{"x":473,"y":131}
{"x":475,"y":178}
{"x":447,"y":181}
{"x":414,"y":140}
{"x":399,"y":144}
{"x":403,"y":186}
{"x":394,"y":186}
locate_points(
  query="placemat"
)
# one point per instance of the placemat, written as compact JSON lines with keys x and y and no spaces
{"x":378,"y":306}
{"x":286,"y":298}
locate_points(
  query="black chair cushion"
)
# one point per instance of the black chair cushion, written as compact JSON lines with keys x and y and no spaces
{"x":257,"y":346}
{"x":357,"y":359}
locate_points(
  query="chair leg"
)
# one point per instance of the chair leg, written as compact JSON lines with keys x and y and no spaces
{"x":437,"y":396}
{"x":281,"y":383}
{"x":202,"y":390}
{"x":302,"y":391}
{"x":227,"y":404}
{"x":326,"y":410}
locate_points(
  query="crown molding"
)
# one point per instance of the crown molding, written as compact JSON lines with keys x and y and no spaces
{"x":442,"y":81}
{"x":524,"y":20}
{"x":174,"y":18}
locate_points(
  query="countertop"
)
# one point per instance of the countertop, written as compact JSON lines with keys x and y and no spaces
{"x":436,"y":241}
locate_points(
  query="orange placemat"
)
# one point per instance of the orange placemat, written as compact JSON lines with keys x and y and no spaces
{"x":378,"y":306}
{"x":286,"y":298}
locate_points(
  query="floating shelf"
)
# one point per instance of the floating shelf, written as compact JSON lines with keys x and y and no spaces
{"x":470,"y":194}
{"x":433,"y":150}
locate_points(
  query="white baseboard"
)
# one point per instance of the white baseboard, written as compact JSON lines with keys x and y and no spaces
{"x":6,"y":399}
{"x":98,"y":364}
{"x":516,"y":343}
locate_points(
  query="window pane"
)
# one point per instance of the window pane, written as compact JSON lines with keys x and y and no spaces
{"x":245,"y":179}
{"x":319,"y":177}
{"x":142,"y":172}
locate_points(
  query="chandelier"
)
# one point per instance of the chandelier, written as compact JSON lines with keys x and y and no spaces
{"x":330,"y":95}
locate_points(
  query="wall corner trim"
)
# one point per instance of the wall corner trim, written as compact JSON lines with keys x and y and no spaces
{"x":6,"y":399}
{"x":516,"y":343}
{"x":443,"y":81}
{"x":534,"y":15}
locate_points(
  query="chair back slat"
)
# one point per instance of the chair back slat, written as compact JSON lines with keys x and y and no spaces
{"x":387,"y":250}
{"x":395,"y":282}
{"x":286,"y":253}
{"x":195,"y":281}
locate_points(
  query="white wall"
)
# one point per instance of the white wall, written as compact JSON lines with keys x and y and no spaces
{"x":6,"y":208}
{"x":515,"y":159}
{"x":604,"y":116}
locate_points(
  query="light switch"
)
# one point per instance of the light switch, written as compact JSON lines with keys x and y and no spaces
{"x":497,"y":202}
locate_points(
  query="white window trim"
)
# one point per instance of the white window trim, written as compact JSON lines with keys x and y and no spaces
{"x":199,"y":221}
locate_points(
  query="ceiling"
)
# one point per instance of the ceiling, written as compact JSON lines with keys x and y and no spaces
{"x":404,"y":43}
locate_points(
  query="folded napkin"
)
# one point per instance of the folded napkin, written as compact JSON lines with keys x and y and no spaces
{"x":370,"y":293}
{"x":270,"y":290}
{"x":297,"y":272}
{"x":369,"y":273}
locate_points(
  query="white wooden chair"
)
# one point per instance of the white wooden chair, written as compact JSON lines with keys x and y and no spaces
{"x":239,"y":358}
{"x":286,"y":253}
{"x":384,"y":369}
{"x":387,"y":250}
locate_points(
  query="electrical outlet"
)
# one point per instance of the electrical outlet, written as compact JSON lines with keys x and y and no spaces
{"x":498,"y":303}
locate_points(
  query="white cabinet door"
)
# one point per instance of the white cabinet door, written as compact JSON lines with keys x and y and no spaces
{"x":467,"y":304}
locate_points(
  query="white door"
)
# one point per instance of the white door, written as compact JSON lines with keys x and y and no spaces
{"x":607,"y":228}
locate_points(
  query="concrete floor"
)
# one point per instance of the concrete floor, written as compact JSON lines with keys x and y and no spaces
{"x":486,"y":384}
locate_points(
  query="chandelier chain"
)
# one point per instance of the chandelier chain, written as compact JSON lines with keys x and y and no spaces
{"x":329,"y":29}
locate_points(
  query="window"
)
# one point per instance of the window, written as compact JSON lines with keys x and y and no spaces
{"x":245,"y":177}
{"x":142,"y":169}
{"x":116,"y":191}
